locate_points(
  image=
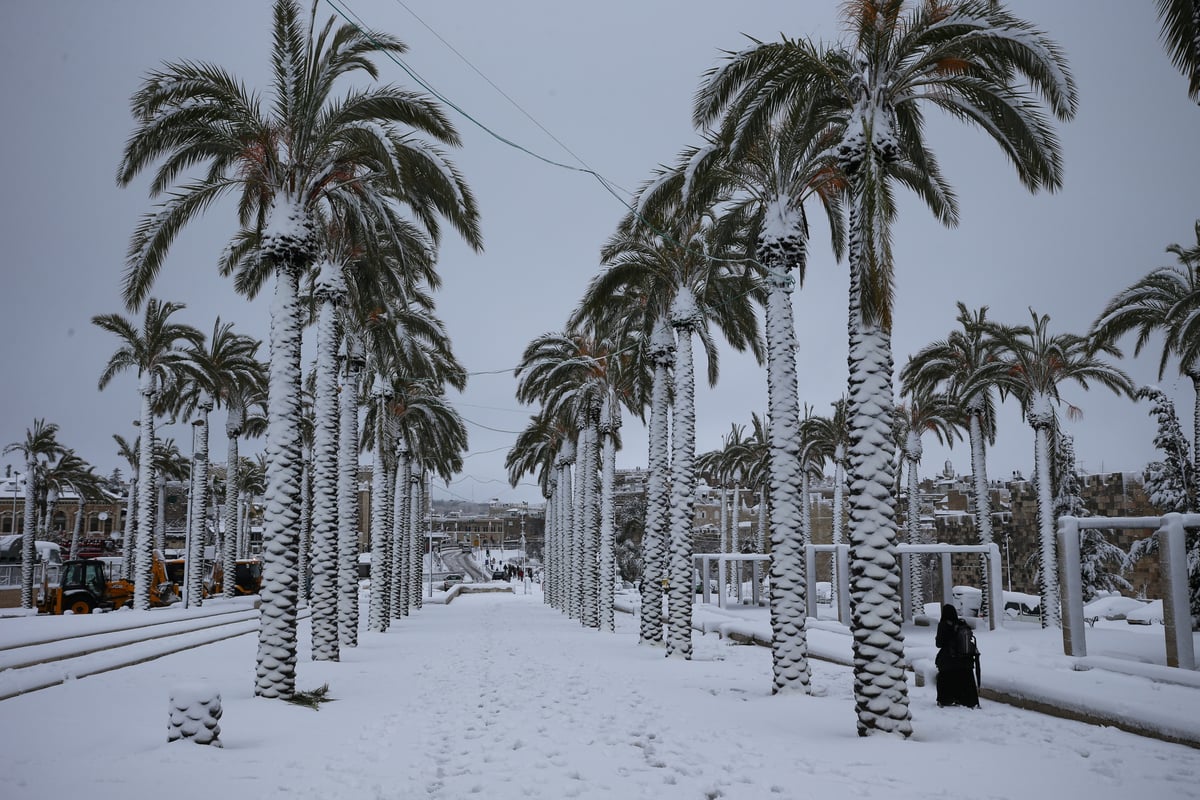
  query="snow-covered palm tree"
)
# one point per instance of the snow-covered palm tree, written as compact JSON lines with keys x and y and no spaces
{"x":1181,"y":36}
{"x":1166,"y":301}
{"x":963,"y":367}
{"x":88,"y":487}
{"x":830,"y":438}
{"x":1036,"y":364}
{"x":168,"y":464}
{"x":813,"y":455}
{"x":128,"y":451}
{"x":156,"y":352}
{"x":980,"y":64}
{"x":762,"y":188}
{"x":438,"y":438}
{"x":38,"y":448}
{"x":55,"y":479}
{"x":535,"y":452}
{"x":308,"y":154}
{"x":675,"y":268}
{"x":217,"y":373}
{"x":922,"y":412}
{"x":245,"y":403}
{"x":349,"y":399}
{"x":564,"y":372}
{"x":329,"y":293}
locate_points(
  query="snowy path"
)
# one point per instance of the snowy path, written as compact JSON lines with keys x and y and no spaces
{"x":499,"y":696}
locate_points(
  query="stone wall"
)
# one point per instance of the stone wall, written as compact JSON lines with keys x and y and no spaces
{"x":1112,"y":494}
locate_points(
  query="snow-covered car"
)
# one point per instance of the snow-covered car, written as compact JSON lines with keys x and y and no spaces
{"x":967,"y":599}
{"x":1111,"y":607}
{"x":824,"y":592}
{"x":1149,"y":614}
{"x":451,"y":580}
{"x":1021,"y":605}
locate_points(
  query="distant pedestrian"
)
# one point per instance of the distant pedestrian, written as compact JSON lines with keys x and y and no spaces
{"x":957,"y":661}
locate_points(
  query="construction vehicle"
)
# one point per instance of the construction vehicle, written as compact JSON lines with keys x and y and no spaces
{"x":87,"y":584}
{"x":247,"y":578}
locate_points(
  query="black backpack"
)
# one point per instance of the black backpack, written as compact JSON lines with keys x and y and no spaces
{"x":963,"y":644}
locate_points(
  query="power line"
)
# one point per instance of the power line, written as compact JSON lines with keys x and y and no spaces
{"x":492,"y":83}
{"x":608,"y":185}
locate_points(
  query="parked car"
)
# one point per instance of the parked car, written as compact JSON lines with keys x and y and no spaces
{"x":498,"y":575}
{"x":1149,"y":614}
{"x":1111,"y":607}
{"x":1020,"y":605}
{"x":451,"y":580}
{"x":968,"y":600}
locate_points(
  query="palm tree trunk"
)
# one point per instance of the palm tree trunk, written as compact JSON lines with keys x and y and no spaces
{"x":276,"y":659}
{"x":304,"y":588}
{"x":325,"y":561}
{"x":1048,"y":566}
{"x":401,"y":528}
{"x":401,"y":525}
{"x":234,"y":419}
{"x":789,"y":602}
{"x":681,"y":592}
{"x":735,"y":513}
{"x":913,"y":523}
{"x":590,"y":526}
{"x":160,"y":513}
{"x":550,"y":545}
{"x":347,"y":499}
{"x":195,"y":556}
{"x":839,"y":515}
{"x":29,"y":532}
{"x":723,"y":540}
{"x":129,"y":531}
{"x":983,"y":505}
{"x":569,"y":585}
{"x":654,"y":573}
{"x":77,"y":530}
{"x":416,"y":530}
{"x":553,"y":567}
{"x":578,"y":525}
{"x":610,"y":422}
{"x":880,"y":684}
{"x":144,"y":561}
{"x":405,"y":530}
{"x":416,"y":519}
{"x":805,"y":503}
{"x":760,"y":536}
{"x":1196,"y":390}
{"x":377,"y":618}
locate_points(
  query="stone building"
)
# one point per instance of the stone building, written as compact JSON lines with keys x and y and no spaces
{"x":1015,"y":527}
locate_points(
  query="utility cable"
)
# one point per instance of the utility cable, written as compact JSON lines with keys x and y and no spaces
{"x":357,"y":22}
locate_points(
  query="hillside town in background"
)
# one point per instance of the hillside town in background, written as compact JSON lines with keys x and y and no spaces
{"x":947,"y":516}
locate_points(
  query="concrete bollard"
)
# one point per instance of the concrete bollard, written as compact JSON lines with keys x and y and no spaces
{"x":195,"y":714}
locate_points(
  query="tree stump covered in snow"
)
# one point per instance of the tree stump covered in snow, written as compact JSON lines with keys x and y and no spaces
{"x":195,"y":714}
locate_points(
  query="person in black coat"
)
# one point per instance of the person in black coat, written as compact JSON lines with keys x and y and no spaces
{"x":956,"y":669}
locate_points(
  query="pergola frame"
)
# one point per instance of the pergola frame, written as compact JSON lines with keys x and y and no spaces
{"x":1172,"y":554}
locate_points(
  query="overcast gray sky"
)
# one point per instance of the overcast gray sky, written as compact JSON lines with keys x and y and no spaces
{"x":613,"y":82}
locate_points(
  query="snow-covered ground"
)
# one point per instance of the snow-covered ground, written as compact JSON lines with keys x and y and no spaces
{"x":500,"y":696}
